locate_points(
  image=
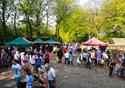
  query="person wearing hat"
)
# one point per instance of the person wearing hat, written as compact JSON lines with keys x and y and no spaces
{"x":42,"y":75}
{"x":51,"y":74}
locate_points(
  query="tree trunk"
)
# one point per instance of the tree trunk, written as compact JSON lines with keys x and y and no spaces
{"x":15,"y":17}
{"x":57,"y":28}
{"x":27,"y":30}
{"x":30,"y":27}
{"x":3,"y":17}
{"x":15,"y":29}
{"x":57,"y":31}
{"x":47,"y":19}
{"x":38,"y":24}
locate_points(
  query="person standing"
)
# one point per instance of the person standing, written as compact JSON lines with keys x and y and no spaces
{"x":51,"y":73}
{"x":106,"y":59}
{"x":22,"y":58}
{"x":79,"y":50}
{"x":84,"y":56}
{"x":111,"y":67}
{"x":4,"y":58}
{"x":17,"y":56}
{"x":43,"y":76}
{"x":118,"y":67}
{"x":16,"y":70}
{"x":66,"y":57}
{"x":29,"y":78}
{"x":38,"y":63}
{"x":70,"y":57}
{"x":26,"y":58}
{"x":50,"y":48}
{"x":65,"y":48}
{"x":93,"y":56}
{"x":99,"y":56}
{"x":88,"y":62}
{"x":47,"y":57}
{"x":109,"y":56}
{"x":60,"y":55}
{"x":78,"y":61}
{"x":54,"y":49}
{"x":32,"y":61}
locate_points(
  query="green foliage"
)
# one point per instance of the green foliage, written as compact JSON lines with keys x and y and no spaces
{"x":105,"y":22}
{"x":114,"y":18}
{"x":73,"y":23}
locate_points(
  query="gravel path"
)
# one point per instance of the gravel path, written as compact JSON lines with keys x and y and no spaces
{"x":74,"y":77}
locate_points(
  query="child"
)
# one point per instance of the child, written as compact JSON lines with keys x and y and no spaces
{"x":29,"y":78}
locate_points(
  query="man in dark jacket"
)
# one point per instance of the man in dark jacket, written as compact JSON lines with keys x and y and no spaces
{"x":111,"y":67}
{"x":60,"y":55}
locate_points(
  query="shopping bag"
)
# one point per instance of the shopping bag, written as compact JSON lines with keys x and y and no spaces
{"x":57,"y":59}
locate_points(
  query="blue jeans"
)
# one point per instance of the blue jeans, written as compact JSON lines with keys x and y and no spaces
{"x":121,"y":72}
{"x":37,"y":66}
{"x":17,"y":79}
{"x":68,"y":62}
{"x":78,"y":64}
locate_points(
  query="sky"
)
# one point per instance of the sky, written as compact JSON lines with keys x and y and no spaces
{"x":82,"y":2}
{"x":90,"y":3}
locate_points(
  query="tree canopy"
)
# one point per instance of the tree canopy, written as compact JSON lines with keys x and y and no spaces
{"x":62,"y":19}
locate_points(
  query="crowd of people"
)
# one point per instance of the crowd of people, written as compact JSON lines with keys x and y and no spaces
{"x":30,"y":65}
{"x":90,"y":57}
{"x":33,"y":63}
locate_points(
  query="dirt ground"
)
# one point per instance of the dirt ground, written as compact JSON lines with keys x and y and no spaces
{"x":74,"y":77}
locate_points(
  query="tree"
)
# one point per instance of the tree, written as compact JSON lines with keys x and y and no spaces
{"x":36,"y":18}
{"x":35,"y":12}
{"x":75,"y":27}
{"x":63,"y":9}
{"x":42,"y":13}
{"x":27,"y":10}
{"x":4,"y":15}
{"x":114,"y":18}
{"x":14,"y":8}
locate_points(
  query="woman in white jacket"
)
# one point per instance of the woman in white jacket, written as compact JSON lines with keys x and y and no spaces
{"x":78,"y":61}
